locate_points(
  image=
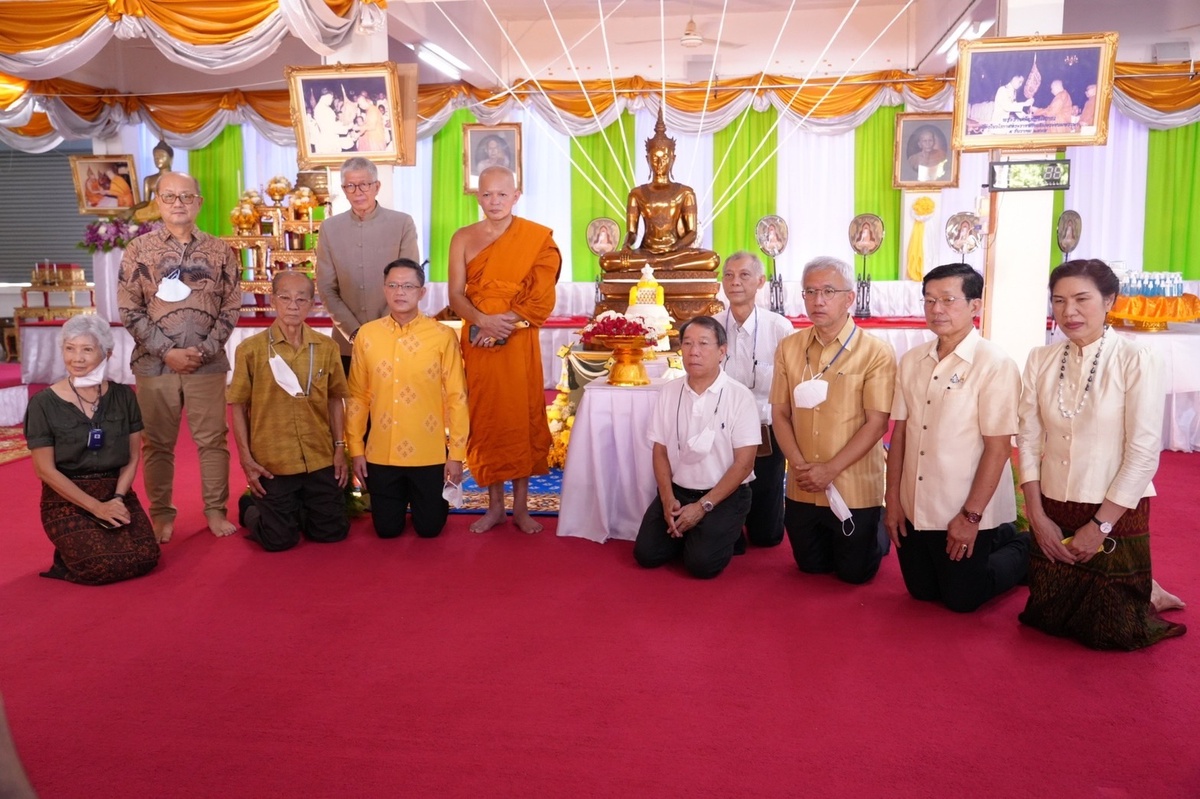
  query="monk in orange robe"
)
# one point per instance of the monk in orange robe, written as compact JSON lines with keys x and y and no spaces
{"x":1056,"y":117}
{"x":503,"y":271}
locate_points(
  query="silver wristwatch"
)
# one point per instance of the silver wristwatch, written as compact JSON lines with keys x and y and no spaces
{"x":1105,"y":527}
{"x":706,"y":506}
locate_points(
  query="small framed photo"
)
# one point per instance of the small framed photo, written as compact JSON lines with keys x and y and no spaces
{"x":343,"y":110}
{"x":105,"y":184}
{"x":602,"y":234}
{"x":490,"y":145}
{"x":866,"y":233}
{"x":924,"y":158}
{"x":771,"y":233}
{"x":1033,"y":93}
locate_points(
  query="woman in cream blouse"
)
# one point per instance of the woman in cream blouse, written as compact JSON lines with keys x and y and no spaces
{"x":1090,"y":436}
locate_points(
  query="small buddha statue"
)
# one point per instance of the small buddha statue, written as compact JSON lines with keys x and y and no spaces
{"x":668,"y":211}
{"x":147,"y":209}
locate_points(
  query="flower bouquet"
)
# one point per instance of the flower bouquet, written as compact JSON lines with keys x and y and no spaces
{"x":627,"y":338}
{"x":106,"y":234}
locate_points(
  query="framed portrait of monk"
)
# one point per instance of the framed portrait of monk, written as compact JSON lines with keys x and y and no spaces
{"x":105,"y":185}
{"x":924,"y":158}
{"x":344,"y":110}
{"x":1033,"y":93}
{"x":490,"y":145}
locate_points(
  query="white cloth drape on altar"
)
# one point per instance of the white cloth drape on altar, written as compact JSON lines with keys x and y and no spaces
{"x":106,"y":271}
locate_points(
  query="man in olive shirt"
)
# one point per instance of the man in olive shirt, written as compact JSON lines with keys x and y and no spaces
{"x":351,"y":250}
{"x":287,"y":394}
{"x":830,"y":400}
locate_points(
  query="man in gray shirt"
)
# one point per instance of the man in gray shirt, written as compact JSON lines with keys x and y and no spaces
{"x":352,"y":250}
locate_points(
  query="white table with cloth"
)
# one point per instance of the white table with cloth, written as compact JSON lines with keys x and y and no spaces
{"x":609,"y":477}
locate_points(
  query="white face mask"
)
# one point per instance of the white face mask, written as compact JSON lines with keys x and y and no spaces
{"x":285,"y":378}
{"x":453,"y":493}
{"x":810,"y":393}
{"x":92,"y":378}
{"x":840,"y":509}
{"x":699,"y":445}
{"x":172,"y":289}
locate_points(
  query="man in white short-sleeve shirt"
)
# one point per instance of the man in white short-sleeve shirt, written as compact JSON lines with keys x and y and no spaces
{"x":705,"y":432}
{"x":950,"y":497}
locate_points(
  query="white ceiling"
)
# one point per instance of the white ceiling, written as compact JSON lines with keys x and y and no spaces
{"x":507,"y":40}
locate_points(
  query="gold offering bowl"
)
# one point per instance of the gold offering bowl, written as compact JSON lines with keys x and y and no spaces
{"x":627,"y":353}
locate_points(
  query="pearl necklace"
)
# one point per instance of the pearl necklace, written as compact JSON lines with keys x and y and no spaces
{"x":1062,"y":376}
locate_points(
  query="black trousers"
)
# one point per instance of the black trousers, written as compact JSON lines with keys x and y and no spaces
{"x":997,"y":563}
{"x":707,"y":548}
{"x":764,"y":522}
{"x":820,"y":546}
{"x":394,"y":489}
{"x":310,"y":503}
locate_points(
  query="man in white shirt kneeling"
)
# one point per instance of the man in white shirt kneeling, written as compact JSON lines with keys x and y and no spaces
{"x":705,"y":432}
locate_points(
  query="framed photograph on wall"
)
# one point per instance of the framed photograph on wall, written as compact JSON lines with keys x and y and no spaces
{"x":344,"y":110}
{"x":924,"y":158}
{"x":1033,"y":92}
{"x":490,"y":145}
{"x":104,"y":184}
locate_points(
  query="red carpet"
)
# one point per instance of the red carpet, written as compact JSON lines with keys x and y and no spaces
{"x":512,"y":665}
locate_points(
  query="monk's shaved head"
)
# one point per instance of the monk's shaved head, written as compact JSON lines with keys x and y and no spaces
{"x":503,"y":177}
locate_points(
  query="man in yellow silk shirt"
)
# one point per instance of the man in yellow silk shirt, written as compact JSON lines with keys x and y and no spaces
{"x":406,"y":375}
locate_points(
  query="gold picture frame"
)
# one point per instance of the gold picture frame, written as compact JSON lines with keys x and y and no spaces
{"x":1005,"y":96}
{"x":923,"y":156}
{"x":371,"y":112}
{"x":105,"y":185}
{"x":490,"y":145}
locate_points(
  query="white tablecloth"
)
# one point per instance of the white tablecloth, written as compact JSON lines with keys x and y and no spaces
{"x":13,"y":402}
{"x":608,"y":481}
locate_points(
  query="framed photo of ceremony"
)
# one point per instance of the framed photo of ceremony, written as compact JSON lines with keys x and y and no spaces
{"x":104,"y":184}
{"x":1033,"y":93}
{"x":344,"y":110}
{"x":490,"y":145}
{"x":924,"y":158}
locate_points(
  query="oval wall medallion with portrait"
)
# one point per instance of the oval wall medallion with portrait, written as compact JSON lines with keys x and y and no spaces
{"x":1070,"y":228}
{"x":962,"y":232}
{"x":602,"y":234}
{"x":771,"y":233}
{"x":866,"y":233}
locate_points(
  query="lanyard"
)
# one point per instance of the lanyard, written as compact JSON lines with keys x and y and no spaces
{"x":835,"y":357}
{"x":679,"y":404}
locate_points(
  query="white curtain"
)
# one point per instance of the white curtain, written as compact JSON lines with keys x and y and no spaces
{"x":1108,"y":189}
{"x":263,"y":159}
{"x":972,"y":175}
{"x":546,"y":179}
{"x":816,"y":195}
{"x":410,"y":194}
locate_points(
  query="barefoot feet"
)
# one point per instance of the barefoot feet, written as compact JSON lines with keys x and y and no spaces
{"x":489,"y":520}
{"x":526,"y":523}
{"x":1161,"y":600}
{"x":165,"y":528}
{"x":219,"y":525}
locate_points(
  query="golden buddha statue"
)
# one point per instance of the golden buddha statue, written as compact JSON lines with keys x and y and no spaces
{"x":147,"y":209}
{"x":668,"y":210}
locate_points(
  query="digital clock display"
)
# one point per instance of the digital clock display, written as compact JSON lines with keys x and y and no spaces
{"x":1029,"y":175}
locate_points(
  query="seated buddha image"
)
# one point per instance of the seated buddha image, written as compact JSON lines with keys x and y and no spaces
{"x":147,"y":209}
{"x":667,"y":210}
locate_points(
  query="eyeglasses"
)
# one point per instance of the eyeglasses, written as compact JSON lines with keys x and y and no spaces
{"x":827,"y":293}
{"x":944,"y":302}
{"x":407,"y":288}
{"x":355,"y":188}
{"x":169,"y":198}
{"x":298,"y":301}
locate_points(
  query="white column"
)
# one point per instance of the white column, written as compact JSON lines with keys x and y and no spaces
{"x":1019,"y":255}
{"x":361,"y":48}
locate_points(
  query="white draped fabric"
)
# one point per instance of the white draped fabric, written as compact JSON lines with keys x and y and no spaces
{"x":1159,"y":120}
{"x":13,"y":403}
{"x":309,"y":20}
{"x":263,"y":159}
{"x":815,"y":190}
{"x":1108,"y":189}
{"x":546,"y":190}
{"x":410,"y":194}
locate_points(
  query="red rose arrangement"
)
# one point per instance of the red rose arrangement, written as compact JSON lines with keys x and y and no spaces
{"x":611,"y":323}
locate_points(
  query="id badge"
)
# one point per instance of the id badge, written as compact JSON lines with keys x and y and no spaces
{"x":95,"y":439}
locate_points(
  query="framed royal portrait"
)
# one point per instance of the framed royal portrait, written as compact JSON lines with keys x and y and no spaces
{"x":344,"y":110}
{"x":1033,"y":92}
{"x":602,"y":235}
{"x":924,"y":158}
{"x":490,"y":145}
{"x":105,"y":185}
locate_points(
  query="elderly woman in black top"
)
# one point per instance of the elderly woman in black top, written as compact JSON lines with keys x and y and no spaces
{"x":84,"y":433}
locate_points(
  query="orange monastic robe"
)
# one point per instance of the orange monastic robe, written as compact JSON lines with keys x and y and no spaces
{"x":509,"y":436}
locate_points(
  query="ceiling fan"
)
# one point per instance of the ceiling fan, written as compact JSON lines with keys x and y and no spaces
{"x":691,"y":38}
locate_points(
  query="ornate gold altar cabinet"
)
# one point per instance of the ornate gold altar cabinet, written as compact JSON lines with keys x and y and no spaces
{"x":668,"y":212}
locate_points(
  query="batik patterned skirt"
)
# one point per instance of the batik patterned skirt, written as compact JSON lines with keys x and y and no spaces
{"x":85,"y":552}
{"x":1104,"y":603}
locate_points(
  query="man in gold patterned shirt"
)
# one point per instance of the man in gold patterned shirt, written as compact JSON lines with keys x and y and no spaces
{"x":180,"y":296}
{"x":287,"y":394}
{"x":406,"y":376}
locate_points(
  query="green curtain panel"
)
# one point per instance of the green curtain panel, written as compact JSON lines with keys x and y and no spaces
{"x":451,"y":207}
{"x":613,"y":177}
{"x":749,"y":198}
{"x":874,"y":152}
{"x":217,"y":167}
{"x":1173,"y":202}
